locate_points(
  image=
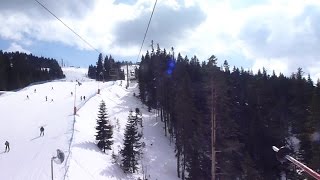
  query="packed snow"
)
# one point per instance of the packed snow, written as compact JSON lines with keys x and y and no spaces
{"x":23,"y":113}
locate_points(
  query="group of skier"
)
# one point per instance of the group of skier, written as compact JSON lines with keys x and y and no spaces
{"x":35,"y":90}
{"x":7,"y":144}
{"x":47,"y":99}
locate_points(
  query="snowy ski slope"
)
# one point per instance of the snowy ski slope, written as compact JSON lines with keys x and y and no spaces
{"x":29,"y":157}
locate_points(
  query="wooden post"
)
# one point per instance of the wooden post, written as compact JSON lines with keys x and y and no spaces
{"x":74,"y":103}
{"x":127,"y":76}
{"x":52,"y":168}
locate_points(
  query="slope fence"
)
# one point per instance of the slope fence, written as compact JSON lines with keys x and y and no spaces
{"x":79,"y":106}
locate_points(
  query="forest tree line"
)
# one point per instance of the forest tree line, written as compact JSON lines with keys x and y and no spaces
{"x":106,"y":69}
{"x":253,"y":112}
{"x":18,"y":70}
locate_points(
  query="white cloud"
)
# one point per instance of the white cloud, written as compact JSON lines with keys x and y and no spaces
{"x":277,"y":35}
{"x":16,"y":47}
{"x":280,"y":35}
{"x":278,"y":65}
{"x":284,"y":32}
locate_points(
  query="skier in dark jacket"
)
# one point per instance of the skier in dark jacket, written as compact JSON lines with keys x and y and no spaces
{"x":42,"y":131}
{"x":7,"y":146}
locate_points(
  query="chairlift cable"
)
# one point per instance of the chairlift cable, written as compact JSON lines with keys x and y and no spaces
{"x":145,"y":34}
{"x":68,"y":26}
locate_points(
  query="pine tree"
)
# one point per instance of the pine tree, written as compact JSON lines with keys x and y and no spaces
{"x":131,"y":150}
{"x":313,"y":129}
{"x":104,"y":129}
{"x":253,"y":112}
{"x":248,"y":168}
{"x":99,"y":70}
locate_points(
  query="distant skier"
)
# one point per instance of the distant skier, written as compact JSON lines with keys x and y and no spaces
{"x":35,"y":90}
{"x":84,"y":97}
{"x":71,"y":93}
{"x":51,"y":88}
{"x":7,"y":146}
{"x":46,"y":98}
{"x":81,"y":98}
{"x":27,"y":97}
{"x":41,"y":131}
{"x":51,"y":100}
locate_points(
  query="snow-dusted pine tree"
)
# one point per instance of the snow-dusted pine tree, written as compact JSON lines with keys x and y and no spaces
{"x":104,"y":128}
{"x":132,"y":146}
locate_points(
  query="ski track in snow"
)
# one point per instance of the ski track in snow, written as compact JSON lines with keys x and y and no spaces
{"x":30,"y":155}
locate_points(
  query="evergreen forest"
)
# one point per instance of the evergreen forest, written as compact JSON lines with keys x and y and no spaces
{"x":251,"y":113}
{"x":18,"y":70}
{"x":106,"y":69}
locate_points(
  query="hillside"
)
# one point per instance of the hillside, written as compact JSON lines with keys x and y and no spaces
{"x":30,"y":154}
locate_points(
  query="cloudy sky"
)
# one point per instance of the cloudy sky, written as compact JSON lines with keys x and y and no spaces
{"x":279,"y":35}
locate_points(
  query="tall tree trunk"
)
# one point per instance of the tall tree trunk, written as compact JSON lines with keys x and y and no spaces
{"x":213,"y":134}
{"x":161,"y":114}
{"x":183,"y":167}
{"x":178,"y":163}
{"x":165,"y":126}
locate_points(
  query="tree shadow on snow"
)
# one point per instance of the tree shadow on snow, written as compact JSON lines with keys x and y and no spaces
{"x":73,"y":114}
{"x":115,"y":171}
{"x":88,"y":146}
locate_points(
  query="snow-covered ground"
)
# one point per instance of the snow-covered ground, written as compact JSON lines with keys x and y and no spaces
{"x":29,"y":157}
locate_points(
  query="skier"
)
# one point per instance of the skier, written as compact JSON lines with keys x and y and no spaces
{"x":51,"y":88}
{"x":27,"y":97}
{"x":46,"y":98}
{"x":71,"y":93}
{"x":7,"y":146}
{"x":51,"y":100}
{"x":81,"y":98}
{"x":42,"y":131}
{"x":84,"y":97}
{"x":35,"y":90}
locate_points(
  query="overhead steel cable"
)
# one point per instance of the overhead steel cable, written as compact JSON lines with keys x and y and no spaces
{"x":67,"y":26}
{"x":145,"y":34}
